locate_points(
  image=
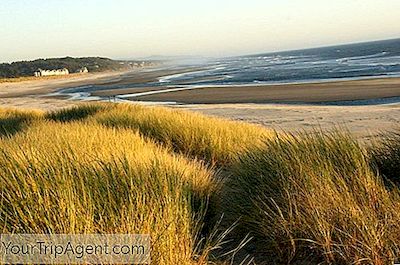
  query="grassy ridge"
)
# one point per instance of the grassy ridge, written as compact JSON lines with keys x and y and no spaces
{"x":215,"y":141}
{"x":306,"y":199}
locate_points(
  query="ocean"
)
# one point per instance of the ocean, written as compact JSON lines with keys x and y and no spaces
{"x":344,"y":62}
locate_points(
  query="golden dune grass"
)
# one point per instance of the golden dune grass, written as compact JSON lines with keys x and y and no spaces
{"x":316,"y":199}
{"x":12,"y":120}
{"x":216,"y":141}
{"x":77,"y":178}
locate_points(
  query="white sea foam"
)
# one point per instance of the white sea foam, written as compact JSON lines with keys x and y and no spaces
{"x":338,"y":70}
{"x":361,"y":57}
{"x":169,"y":78}
{"x":161,"y":91}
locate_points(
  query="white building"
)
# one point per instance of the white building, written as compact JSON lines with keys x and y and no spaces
{"x":41,"y":72}
{"x":83,"y":70}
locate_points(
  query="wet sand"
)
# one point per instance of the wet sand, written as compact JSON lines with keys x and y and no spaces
{"x":291,"y":93}
{"x":134,"y":79}
{"x":107,"y":83}
{"x":123,"y":91}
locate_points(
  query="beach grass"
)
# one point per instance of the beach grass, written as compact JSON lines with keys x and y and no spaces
{"x":215,"y":141}
{"x":81,"y":178}
{"x":386,"y":156}
{"x":13,"y":121}
{"x":315,"y":199}
{"x":186,"y":179}
{"x":75,"y":113}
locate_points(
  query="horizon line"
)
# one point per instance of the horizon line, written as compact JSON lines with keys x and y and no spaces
{"x":144,"y":58}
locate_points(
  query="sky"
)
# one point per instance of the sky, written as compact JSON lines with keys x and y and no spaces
{"x":127,"y":29}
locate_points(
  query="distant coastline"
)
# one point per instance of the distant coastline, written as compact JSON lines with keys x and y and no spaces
{"x":66,"y":66}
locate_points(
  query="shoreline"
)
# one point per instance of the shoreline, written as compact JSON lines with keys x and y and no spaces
{"x":144,"y":85}
{"x":388,"y":94}
{"x":115,"y":85}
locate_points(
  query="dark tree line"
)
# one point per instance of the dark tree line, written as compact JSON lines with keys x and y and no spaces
{"x":27,"y":68}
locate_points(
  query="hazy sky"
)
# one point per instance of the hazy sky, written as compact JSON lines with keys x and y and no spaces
{"x":137,"y":28}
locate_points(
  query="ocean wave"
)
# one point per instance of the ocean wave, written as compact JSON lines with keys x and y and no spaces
{"x":338,"y":70}
{"x":345,"y":59}
{"x":351,"y":61}
{"x":169,"y":78}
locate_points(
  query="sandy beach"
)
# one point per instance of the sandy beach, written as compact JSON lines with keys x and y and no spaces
{"x":255,"y":104}
{"x":365,"y":122}
{"x":42,"y":87}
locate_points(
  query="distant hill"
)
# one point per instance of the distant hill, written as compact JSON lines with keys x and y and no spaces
{"x":93,"y":64}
